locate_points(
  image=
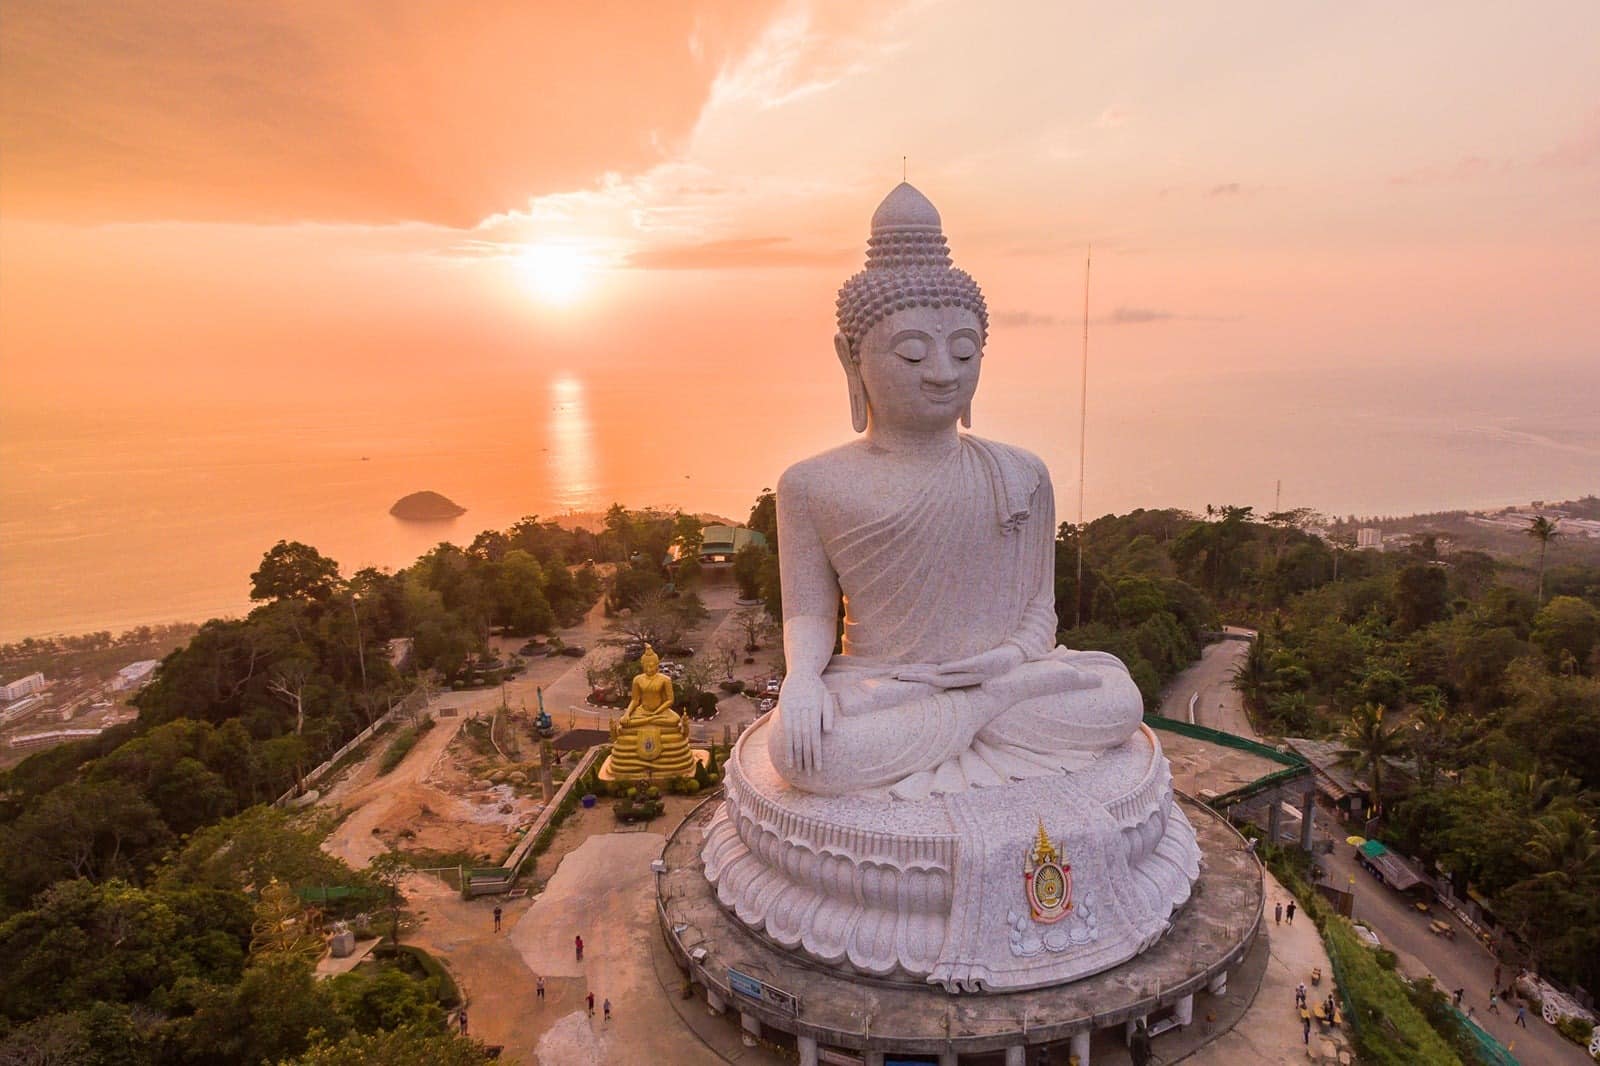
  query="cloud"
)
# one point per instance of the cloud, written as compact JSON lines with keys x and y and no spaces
{"x":1024,"y":319}
{"x":1111,"y":118}
{"x":736,"y":252}
{"x":362,"y":111}
{"x":1139,"y":316}
{"x":1132,"y":316}
{"x":1466,"y":168}
{"x":1231,"y":188}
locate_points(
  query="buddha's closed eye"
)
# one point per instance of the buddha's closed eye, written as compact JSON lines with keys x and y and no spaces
{"x":912,"y":349}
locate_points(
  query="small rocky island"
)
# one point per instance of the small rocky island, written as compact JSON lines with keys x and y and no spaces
{"x":426,"y":507}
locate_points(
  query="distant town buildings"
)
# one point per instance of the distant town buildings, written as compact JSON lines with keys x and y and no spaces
{"x":1370,"y":537}
{"x":1519,"y":521}
{"x":30,"y":740}
{"x":21,"y":687}
{"x":134,"y":675}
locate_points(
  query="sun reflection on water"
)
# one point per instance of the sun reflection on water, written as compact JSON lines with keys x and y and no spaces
{"x":572,"y":445}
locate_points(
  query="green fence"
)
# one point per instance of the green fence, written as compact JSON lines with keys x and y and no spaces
{"x":1489,"y":1050}
{"x":1227,"y":740}
{"x":331,"y":893}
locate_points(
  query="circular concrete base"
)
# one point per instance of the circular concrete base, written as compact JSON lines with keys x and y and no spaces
{"x":1208,"y":936}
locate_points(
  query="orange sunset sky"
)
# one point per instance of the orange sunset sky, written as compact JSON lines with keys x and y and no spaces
{"x":375,"y":202}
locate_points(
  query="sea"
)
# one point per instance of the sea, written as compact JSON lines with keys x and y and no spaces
{"x":120,"y":516}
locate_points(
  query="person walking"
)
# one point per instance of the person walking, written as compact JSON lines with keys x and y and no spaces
{"x":591,"y":1004}
{"x":461,"y":1021}
{"x":1288,"y":912}
{"x":1300,"y":994}
{"x":538,"y":987}
{"x":1139,"y":1047}
{"x":497,"y":919}
{"x":1455,"y":997}
{"x":1522,"y":1016}
{"x":1277,"y":914}
{"x":1494,"y":1001}
{"x":577,"y":944}
{"x":606,"y":1007}
{"x":1305,"y":1029}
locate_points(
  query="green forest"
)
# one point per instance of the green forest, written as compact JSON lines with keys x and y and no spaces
{"x":139,"y":868}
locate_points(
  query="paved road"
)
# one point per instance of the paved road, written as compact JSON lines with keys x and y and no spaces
{"x":1458,"y":963}
{"x":1219,"y":705}
{"x":1461,"y":962}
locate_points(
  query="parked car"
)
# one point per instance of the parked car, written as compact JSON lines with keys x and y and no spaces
{"x":574,"y":651}
{"x":766,"y":704}
{"x":773,"y":686}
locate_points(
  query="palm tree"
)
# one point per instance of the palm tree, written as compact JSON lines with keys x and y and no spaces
{"x":1565,"y":849}
{"x":1369,"y":746}
{"x":1253,"y":675}
{"x":1544,"y":531}
{"x":1431,"y":735}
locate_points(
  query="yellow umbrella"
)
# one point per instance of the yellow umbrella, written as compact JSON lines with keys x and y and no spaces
{"x":1355,"y":841}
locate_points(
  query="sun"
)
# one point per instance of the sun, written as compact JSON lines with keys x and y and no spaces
{"x":554,"y":273}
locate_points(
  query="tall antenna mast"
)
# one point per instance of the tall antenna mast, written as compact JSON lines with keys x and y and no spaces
{"x":1083,"y":437}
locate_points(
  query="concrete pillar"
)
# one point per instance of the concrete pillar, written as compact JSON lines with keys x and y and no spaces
{"x":1308,"y":814}
{"x":752,"y":1028}
{"x":1272,"y":817}
{"x":714,"y":1002}
{"x":1080,"y":1047}
{"x":1219,"y":984}
{"x":1183,"y":1010}
{"x":546,"y":782}
{"x":949,"y":1058}
{"x":807,"y":1046}
{"x":1017,"y":1055}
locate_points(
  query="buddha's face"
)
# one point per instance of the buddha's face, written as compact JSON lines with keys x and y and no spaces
{"x":650,"y":664}
{"x":920,"y":366}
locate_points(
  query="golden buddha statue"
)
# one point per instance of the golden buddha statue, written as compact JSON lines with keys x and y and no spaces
{"x":651,"y":740}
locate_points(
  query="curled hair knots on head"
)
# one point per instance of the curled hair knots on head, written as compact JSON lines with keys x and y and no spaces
{"x":875,"y":293}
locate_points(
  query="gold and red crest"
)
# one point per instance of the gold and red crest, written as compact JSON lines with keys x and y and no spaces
{"x":1047,"y":880}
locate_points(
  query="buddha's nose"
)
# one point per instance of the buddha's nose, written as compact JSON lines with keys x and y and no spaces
{"x":940,"y":370}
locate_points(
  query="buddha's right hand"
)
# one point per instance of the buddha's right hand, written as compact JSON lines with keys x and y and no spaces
{"x":805,"y":706}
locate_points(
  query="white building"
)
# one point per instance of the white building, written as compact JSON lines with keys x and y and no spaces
{"x":26,"y":686}
{"x":134,"y":674}
{"x":1370,"y":537}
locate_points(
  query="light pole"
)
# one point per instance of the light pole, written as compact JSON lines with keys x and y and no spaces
{"x":361,"y":657}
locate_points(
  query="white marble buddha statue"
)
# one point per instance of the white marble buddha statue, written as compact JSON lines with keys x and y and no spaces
{"x":898,"y":811}
{"x":943,"y":545}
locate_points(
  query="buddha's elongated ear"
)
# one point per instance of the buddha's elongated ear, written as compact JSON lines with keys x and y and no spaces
{"x":852,"y":376}
{"x":966,"y":415}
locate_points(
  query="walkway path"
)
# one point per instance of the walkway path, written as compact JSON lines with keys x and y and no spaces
{"x":1219,"y":705}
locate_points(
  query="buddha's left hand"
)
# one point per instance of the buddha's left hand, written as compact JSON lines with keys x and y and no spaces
{"x":964,"y":673}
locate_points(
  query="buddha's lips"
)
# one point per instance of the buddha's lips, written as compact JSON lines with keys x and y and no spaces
{"x":934,"y":392}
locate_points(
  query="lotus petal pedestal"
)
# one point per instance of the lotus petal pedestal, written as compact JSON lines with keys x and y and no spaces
{"x":953,"y":890}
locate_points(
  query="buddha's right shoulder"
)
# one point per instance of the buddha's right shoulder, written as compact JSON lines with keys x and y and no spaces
{"x":817,"y":472}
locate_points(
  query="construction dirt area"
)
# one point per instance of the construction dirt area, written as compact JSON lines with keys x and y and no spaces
{"x":466,"y":791}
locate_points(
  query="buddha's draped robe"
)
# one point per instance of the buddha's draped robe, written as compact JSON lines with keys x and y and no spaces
{"x":964,"y":564}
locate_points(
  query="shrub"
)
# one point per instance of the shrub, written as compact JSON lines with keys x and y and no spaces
{"x":1576,"y":1029}
{"x":401,"y":745}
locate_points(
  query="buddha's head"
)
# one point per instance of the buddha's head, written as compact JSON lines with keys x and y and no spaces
{"x":650,"y":661}
{"x":911,"y":326}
